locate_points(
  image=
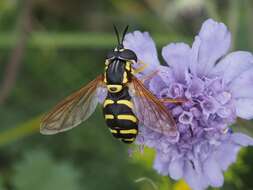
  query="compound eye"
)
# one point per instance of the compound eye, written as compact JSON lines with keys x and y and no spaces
{"x":128,"y":54}
{"x":110,"y":55}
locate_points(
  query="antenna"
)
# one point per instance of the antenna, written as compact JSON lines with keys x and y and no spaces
{"x":117,"y":34}
{"x":124,"y":33}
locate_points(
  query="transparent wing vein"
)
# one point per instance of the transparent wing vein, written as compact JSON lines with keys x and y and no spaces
{"x":73,"y":110}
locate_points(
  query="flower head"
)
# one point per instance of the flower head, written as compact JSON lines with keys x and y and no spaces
{"x":218,"y":88}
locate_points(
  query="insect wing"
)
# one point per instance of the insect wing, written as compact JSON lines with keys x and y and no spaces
{"x":150,"y":111}
{"x":73,"y":110}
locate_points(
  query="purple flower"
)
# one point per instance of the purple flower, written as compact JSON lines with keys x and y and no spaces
{"x":218,"y":89}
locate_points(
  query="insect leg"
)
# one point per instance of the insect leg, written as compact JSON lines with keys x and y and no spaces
{"x":141,"y":68}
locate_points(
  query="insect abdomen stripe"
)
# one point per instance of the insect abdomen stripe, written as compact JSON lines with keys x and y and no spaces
{"x":132,"y":139}
{"x":109,"y":116}
{"x":127,"y":117}
{"x":126,"y":102}
{"x":107,"y":102}
{"x":129,"y":131}
{"x":128,"y":140}
{"x":113,"y":131}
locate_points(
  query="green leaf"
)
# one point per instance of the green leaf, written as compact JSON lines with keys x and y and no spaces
{"x":39,"y":171}
{"x":1,"y":184}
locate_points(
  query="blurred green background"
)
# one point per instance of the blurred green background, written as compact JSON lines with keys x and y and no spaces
{"x":49,"y":48}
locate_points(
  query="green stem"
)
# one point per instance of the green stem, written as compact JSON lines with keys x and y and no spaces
{"x":77,"y":40}
{"x":28,"y":128}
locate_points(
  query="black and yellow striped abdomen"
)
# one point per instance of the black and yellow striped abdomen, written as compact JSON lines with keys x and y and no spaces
{"x":119,"y":116}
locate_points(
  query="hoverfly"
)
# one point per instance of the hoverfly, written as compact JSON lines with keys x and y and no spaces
{"x":127,"y":104}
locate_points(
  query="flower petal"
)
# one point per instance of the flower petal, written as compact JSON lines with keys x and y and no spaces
{"x":233,"y":65}
{"x":178,"y":56}
{"x":156,"y":84}
{"x":242,"y":139}
{"x":226,"y":155}
{"x":176,"y":169}
{"x":213,"y":172}
{"x":144,"y":47}
{"x":193,"y":178}
{"x":195,"y":87}
{"x":244,"y":108}
{"x":242,"y":86}
{"x":166,"y":74}
{"x":211,"y":44}
{"x":160,"y":166}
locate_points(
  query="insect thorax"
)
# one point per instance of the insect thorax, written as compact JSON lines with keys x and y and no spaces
{"x":117,"y":75}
